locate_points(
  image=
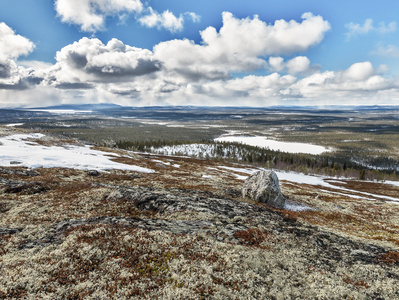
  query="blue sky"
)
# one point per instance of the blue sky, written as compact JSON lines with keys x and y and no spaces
{"x":250,"y":53}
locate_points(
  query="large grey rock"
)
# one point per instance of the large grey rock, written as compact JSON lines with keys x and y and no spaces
{"x":263,"y":186}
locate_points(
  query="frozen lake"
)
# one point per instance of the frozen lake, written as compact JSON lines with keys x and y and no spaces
{"x":261,"y":141}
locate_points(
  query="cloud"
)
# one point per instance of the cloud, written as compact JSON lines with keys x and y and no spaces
{"x":90,"y":14}
{"x":194,"y":17}
{"x":13,"y":45}
{"x":74,"y":86}
{"x":367,"y":27}
{"x":262,"y":86}
{"x":21,"y":83}
{"x":89,"y":60}
{"x":13,"y":77}
{"x":276,"y":63}
{"x":384,"y":29}
{"x":5,"y":69}
{"x":357,"y":84}
{"x":359,"y":71}
{"x":355,"y":28}
{"x":239,"y":46}
{"x":249,"y":91}
{"x":182,"y":72}
{"x":298,"y":64}
{"x":388,"y":51}
{"x":34,"y":64}
{"x":258,"y":38}
{"x":167,"y":20}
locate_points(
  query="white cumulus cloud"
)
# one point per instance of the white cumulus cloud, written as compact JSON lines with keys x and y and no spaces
{"x":13,"y":45}
{"x":240,"y":45}
{"x":359,"y":71}
{"x":298,"y":64}
{"x":90,"y":14}
{"x":89,"y":60}
{"x":182,"y":72}
{"x":258,"y":38}
{"x":165,"y":20}
{"x":276,"y":63}
{"x":357,"y":84}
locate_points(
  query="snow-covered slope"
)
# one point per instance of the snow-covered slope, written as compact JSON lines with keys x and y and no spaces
{"x":27,"y":150}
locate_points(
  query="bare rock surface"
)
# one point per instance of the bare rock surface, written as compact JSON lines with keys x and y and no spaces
{"x":230,"y":219}
{"x":175,"y":200}
{"x":263,"y":186}
{"x":18,"y":186}
{"x":23,"y":172}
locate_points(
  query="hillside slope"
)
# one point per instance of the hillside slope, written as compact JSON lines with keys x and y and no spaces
{"x":133,"y":225}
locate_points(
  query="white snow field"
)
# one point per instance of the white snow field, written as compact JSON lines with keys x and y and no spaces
{"x":21,"y":149}
{"x":263,"y":142}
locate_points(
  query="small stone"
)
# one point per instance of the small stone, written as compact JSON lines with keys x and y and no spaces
{"x":93,"y":173}
{"x":263,"y":186}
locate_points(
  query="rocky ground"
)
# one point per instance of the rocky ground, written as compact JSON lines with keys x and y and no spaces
{"x":185,"y":232}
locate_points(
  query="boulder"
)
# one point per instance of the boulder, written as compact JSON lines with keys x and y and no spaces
{"x":94,"y":173}
{"x":263,"y":186}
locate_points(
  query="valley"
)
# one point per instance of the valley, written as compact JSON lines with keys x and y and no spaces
{"x":93,"y":217}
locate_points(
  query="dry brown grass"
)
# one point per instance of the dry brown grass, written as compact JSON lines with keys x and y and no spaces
{"x":390,"y":258}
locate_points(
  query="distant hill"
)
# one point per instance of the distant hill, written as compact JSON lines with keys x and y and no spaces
{"x":94,"y":107}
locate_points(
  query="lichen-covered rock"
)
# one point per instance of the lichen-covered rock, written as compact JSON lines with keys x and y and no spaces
{"x":23,"y":187}
{"x":263,"y":186}
{"x":93,"y":173}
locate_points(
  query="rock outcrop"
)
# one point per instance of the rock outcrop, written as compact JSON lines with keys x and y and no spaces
{"x":263,"y":186}
{"x":23,"y":187}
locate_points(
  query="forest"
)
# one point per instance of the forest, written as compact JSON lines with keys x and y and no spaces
{"x":334,"y":165}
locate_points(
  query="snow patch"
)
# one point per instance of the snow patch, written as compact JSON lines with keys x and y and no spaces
{"x":207,"y":176}
{"x":161,"y":162}
{"x":24,"y":149}
{"x":296,"y":206}
{"x":64,"y":111}
{"x":14,"y":124}
{"x":263,"y":142}
{"x":248,"y":171}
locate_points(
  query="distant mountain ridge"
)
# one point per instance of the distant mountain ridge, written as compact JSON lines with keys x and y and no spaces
{"x":94,"y":107}
{"x":103,"y":106}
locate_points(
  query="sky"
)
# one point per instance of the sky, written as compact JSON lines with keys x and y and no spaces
{"x":199,"y":53}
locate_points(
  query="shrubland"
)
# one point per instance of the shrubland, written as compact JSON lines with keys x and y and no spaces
{"x":185,"y":232}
